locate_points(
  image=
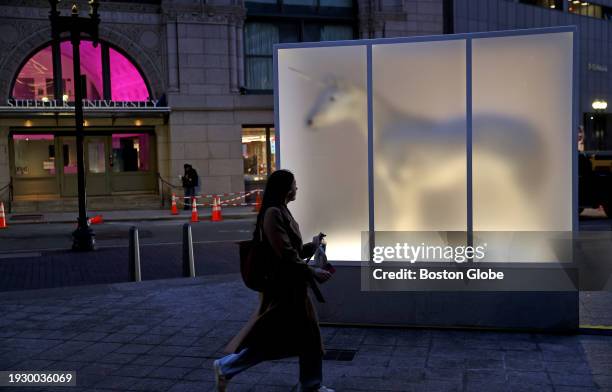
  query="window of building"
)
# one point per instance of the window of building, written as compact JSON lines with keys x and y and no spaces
{"x":590,"y":9}
{"x":258,"y":152}
{"x":131,"y":152}
{"x":105,"y":74}
{"x":34,"y":155}
{"x":552,"y":4}
{"x":35,"y":79}
{"x":91,"y":70}
{"x":271,"y":22}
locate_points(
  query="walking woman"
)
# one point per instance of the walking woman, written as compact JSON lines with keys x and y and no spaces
{"x":286,"y":323}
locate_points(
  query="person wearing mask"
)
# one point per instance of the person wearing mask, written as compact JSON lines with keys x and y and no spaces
{"x":190,"y":182}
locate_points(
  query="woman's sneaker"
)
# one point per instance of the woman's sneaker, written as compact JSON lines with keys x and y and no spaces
{"x":221,"y":381}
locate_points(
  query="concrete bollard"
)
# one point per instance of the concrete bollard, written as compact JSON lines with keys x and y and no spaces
{"x":188,"y":263}
{"x":135,"y":274}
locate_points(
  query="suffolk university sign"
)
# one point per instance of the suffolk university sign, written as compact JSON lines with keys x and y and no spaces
{"x":103,"y":105}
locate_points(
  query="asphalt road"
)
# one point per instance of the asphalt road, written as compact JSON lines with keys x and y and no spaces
{"x":39,"y":256}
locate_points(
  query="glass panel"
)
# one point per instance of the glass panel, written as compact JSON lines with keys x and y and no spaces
{"x":259,"y":73}
{"x":35,"y":79}
{"x":69,"y":155}
{"x":420,"y":136}
{"x":336,"y":32}
{"x":323,"y":130}
{"x":91,"y":70}
{"x":34,"y":155}
{"x":523,"y":145}
{"x":131,"y":152}
{"x":300,"y":2}
{"x":336,"y":3}
{"x":260,"y":37}
{"x":127,"y":83}
{"x":96,"y":156}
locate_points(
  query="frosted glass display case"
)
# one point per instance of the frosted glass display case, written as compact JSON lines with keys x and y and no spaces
{"x":471,"y":133}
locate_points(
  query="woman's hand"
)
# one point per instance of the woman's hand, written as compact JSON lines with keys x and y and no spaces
{"x":322,"y":275}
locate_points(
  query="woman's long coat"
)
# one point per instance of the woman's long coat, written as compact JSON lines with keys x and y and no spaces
{"x":286,"y":322}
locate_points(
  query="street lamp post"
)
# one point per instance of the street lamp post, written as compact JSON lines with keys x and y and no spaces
{"x":77,"y":27}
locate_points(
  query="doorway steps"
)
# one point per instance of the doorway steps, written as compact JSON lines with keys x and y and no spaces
{"x":140,"y":201}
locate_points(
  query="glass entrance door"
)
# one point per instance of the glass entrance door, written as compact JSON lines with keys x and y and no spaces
{"x":96,"y":163}
{"x":66,"y":145}
{"x":97,"y":149}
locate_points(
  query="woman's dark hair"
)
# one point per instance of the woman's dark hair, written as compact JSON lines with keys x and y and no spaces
{"x":277,"y":188}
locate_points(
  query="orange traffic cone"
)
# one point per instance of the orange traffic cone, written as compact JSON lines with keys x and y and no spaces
{"x":3,"y":224}
{"x":194,"y":211}
{"x":96,"y":220}
{"x":257,"y":202}
{"x":173,"y":209}
{"x":216,"y":210}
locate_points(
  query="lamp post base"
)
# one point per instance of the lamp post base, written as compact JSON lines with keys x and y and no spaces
{"x":83,"y":238}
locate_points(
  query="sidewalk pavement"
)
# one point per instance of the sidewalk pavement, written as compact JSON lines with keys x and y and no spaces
{"x":163,"y":336}
{"x":127,"y":215}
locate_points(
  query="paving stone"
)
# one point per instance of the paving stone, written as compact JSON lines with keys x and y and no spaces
{"x":169,"y":372}
{"x":134,"y":349}
{"x":192,"y":386}
{"x":187,"y":362}
{"x":117,"y":382}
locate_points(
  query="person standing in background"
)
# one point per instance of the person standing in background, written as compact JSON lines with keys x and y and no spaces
{"x":190,"y":182}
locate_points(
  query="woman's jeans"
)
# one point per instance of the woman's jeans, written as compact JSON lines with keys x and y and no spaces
{"x":311,"y":366}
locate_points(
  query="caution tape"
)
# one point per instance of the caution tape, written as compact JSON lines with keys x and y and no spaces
{"x":242,"y":194}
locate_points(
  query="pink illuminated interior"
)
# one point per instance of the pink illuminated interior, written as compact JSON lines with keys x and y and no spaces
{"x":91,"y":67}
{"x":126,"y":82}
{"x":35,"y":79}
{"x":131,"y":151}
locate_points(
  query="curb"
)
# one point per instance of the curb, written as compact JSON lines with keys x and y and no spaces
{"x":132,"y":219}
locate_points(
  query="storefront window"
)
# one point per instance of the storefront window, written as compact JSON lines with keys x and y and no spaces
{"x":34,"y":155}
{"x":131,"y":152}
{"x":552,"y":4}
{"x":258,"y":152}
{"x":35,"y":80}
{"x":589,"y":9}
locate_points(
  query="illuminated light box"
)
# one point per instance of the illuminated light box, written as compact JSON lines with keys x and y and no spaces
{"x":469,"y":132}
{"x":502,"y":100}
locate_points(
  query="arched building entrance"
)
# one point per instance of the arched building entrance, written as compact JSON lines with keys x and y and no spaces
{"x":122,"y":122}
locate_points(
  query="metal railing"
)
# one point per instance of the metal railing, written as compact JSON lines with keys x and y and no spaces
{"x":169,"y":186}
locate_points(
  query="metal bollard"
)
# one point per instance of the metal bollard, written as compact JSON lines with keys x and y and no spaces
{"x":188,"y":263}
{"x":135,"y":275}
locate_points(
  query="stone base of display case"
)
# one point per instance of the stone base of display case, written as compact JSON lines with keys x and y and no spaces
{"x":347,"y":304}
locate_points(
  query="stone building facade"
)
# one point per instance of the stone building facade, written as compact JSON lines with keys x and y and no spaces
{"x":191,"y":54}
